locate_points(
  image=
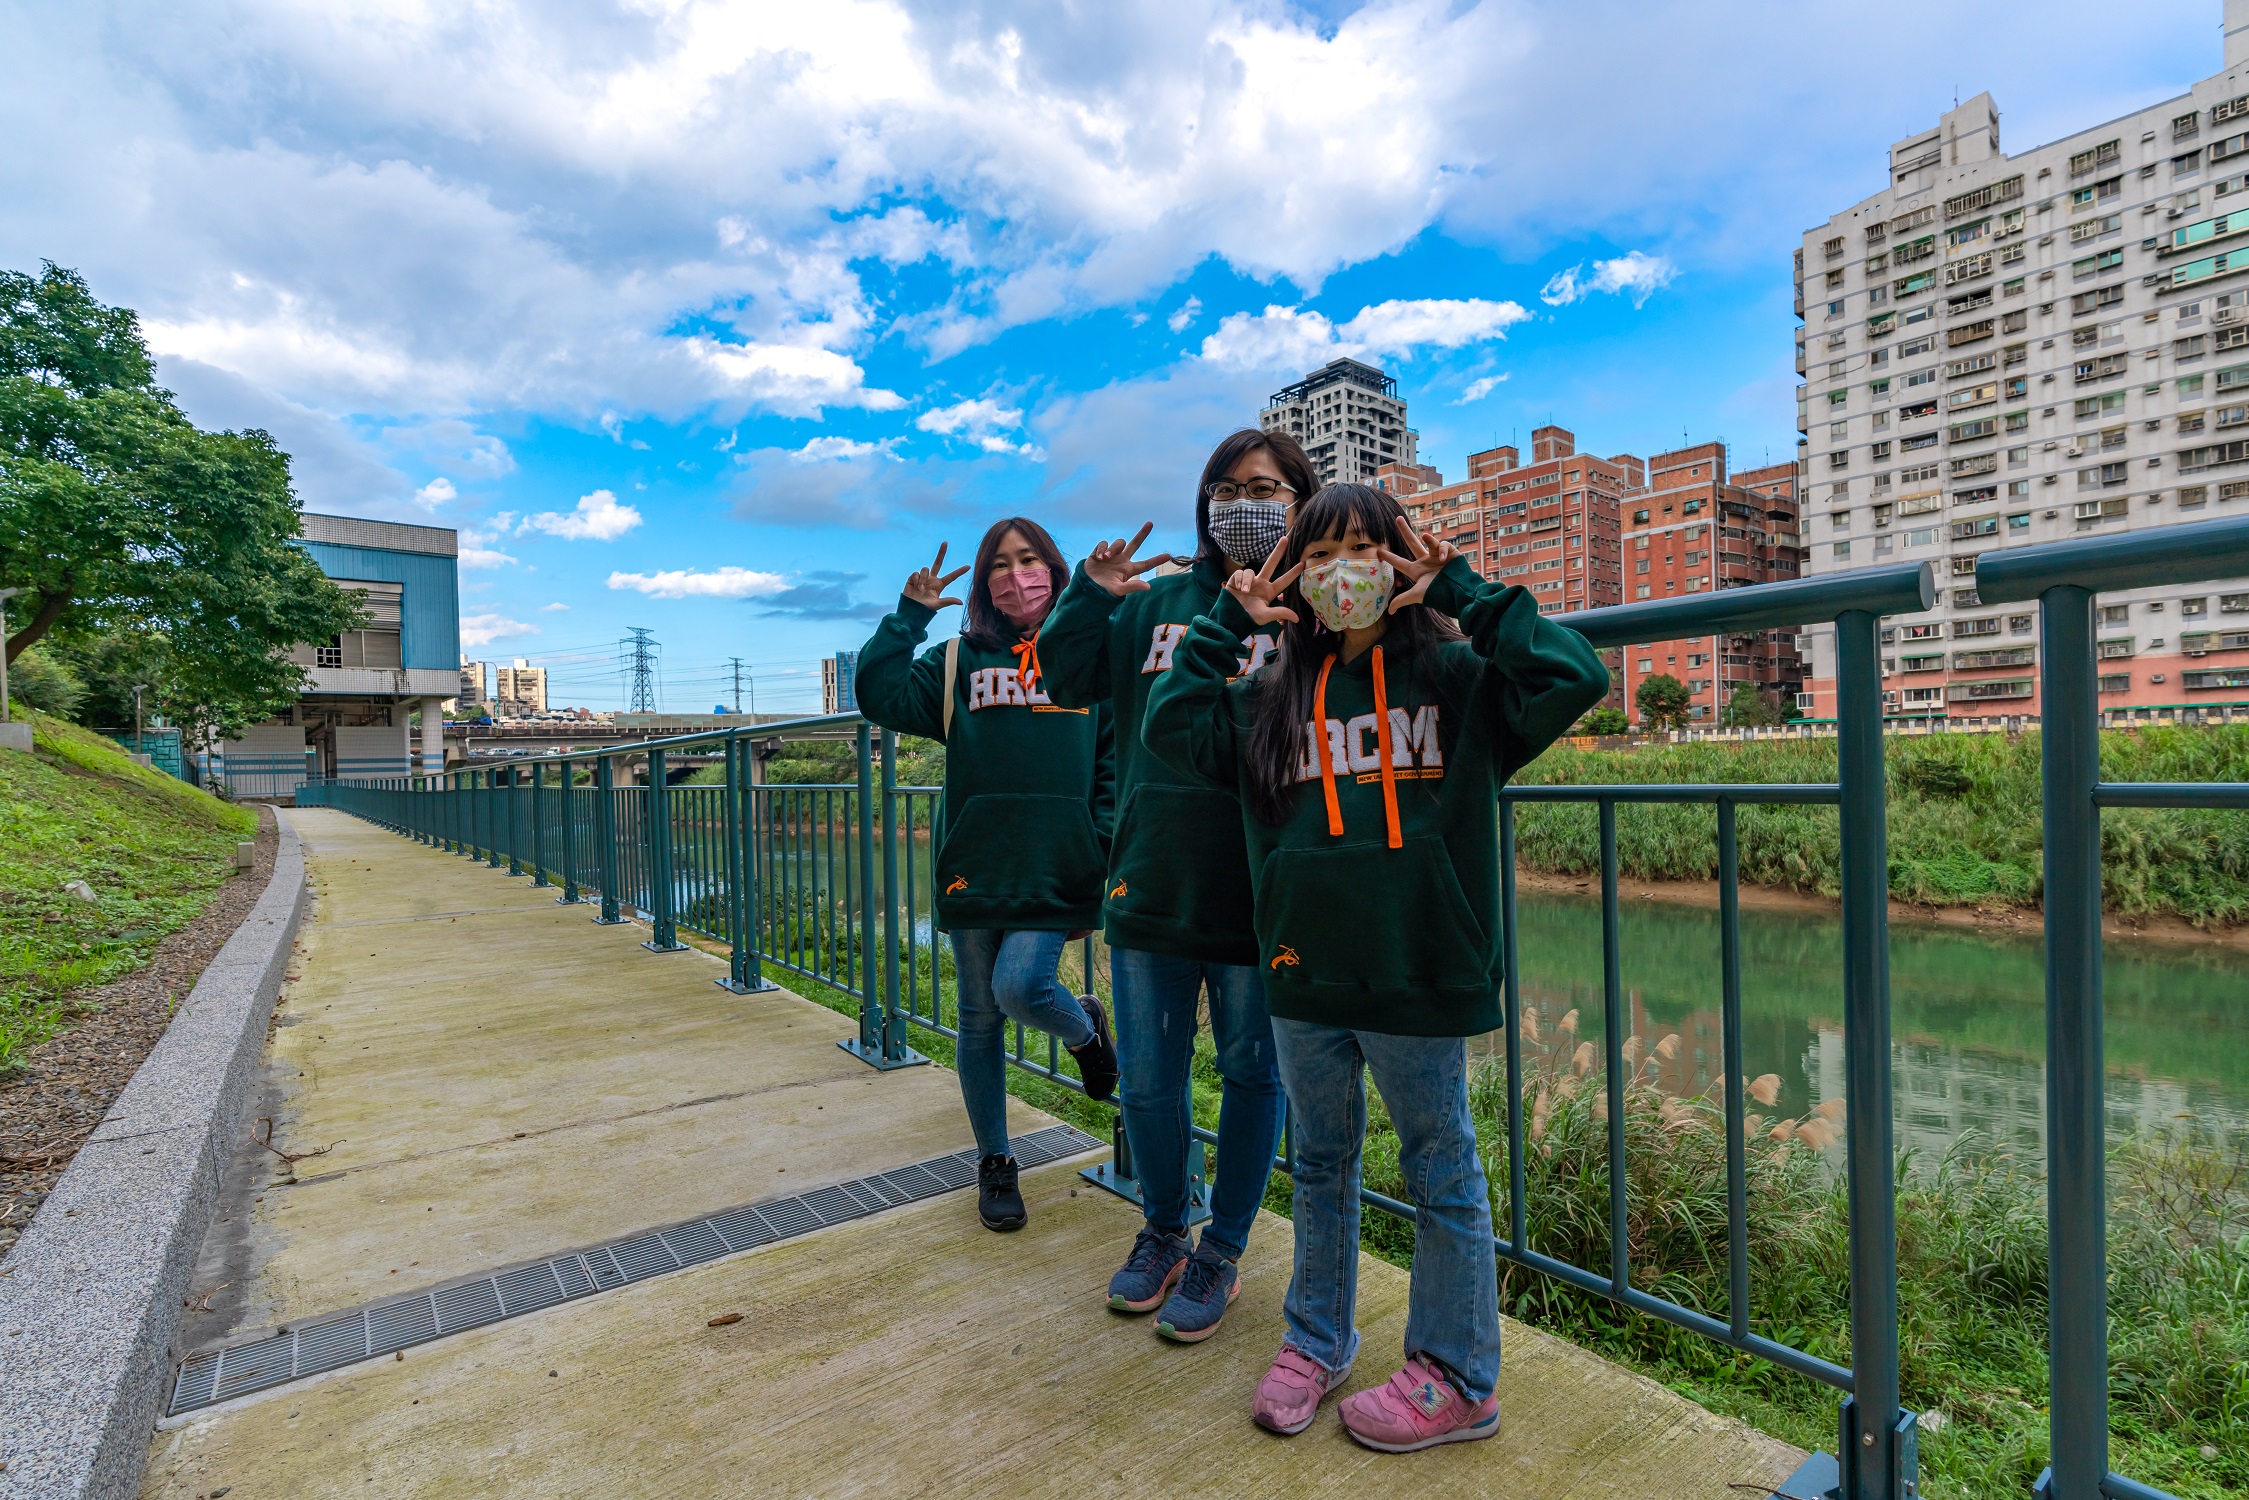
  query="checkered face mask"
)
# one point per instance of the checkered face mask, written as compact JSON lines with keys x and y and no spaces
{"x":1247,"y":530}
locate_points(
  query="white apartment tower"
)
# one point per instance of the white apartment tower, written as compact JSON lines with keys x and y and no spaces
{"x":520,"y":691}
{"x":2001,"y":350}
{"x":1349,"y":418}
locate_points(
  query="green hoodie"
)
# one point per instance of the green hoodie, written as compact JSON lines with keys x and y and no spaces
{"x":1023,"y":826}
{"x":1353,"y":929}
{"x":1178,"y":879}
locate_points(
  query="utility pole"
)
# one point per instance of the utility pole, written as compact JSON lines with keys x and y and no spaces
{"x":641,"y":650}
{"x":736,"y":663}
{"x":138,"y":689}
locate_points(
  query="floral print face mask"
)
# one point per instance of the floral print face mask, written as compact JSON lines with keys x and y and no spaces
{"x":1347,"y":591}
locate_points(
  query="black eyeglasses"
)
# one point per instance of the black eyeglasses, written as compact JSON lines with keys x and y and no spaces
{"x":1254,"y":489}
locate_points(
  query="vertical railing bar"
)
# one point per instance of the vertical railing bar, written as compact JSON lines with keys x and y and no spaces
{"x":1729,"y":1041}
{"x":2076,"y":1230}
{"x":1874,"y":1463}
{"x":538,"y":823}
{"x":569,"y":831}
{"x":605,"y":837}
{"x":870,"y":1033}
{"x":1612,"y":1011}
{"x":515,"y":842}
{"x":1517,"y":1211}
{"x":893,"y":1029}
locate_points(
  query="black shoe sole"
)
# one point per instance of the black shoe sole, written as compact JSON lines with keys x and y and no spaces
{"x":1103,"y":1039}
{"x":1003,"y":1226}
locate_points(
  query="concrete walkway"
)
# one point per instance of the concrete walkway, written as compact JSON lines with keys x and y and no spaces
{"x":502,"y":1079}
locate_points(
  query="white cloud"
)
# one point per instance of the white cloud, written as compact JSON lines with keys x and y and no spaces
{"x":679,"y":583}
{"x":478,"y":547}
{"x":1635,"y":273}
{"x":1292,"y":339}
{"x":1480,"y":388}
{"x":834,"y":449}
{"x":437,"y":492}
{"x":555,"y":607}
{"x":482,"y":630}
{"x":983,"y":422}
{"x":597,"y":518}
{"x":1188,"y":311}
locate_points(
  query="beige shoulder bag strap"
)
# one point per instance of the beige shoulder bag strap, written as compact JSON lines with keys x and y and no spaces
{"x":952,"y":668}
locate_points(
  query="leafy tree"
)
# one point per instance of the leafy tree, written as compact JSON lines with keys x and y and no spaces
{"x":1604,"y":720}
{"x":37,"y":680}
{"x":1747,"y":708}
{"x":1662,"y":701}
{"x":119,"y":516}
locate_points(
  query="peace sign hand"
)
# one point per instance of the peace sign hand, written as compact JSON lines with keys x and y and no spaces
{"x":1428,"y":558}
{"x":926,"y":587}
{"x":1257,"y":593}
{"x":1112,"y":565}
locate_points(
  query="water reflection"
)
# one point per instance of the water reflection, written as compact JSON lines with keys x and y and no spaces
{"x":1967,"y":1015}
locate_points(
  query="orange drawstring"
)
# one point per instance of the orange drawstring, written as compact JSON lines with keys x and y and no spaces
{"x":1327,"y":749}
{"x":1382,"y":745}
{"x":1026,"y":663}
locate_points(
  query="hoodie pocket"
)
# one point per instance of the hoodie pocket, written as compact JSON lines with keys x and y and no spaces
{"x":1367,"y":917}
{"x":1009,"y":851}
{"x":1180,"y":858}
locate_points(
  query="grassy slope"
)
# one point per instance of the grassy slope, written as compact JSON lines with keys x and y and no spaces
{"x":1963,"y":810}
{"x":154,"y":849}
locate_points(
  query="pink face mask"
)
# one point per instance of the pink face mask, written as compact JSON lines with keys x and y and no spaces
{"x":1022,"y":594}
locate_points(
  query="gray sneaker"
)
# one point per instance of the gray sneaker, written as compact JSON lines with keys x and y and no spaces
{"x":1148,"y":1273}
{"x":1206,"y":1288}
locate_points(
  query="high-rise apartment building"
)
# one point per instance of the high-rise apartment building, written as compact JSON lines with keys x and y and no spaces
{"x":472,"y":697}
{"x":839,"y":683}
{"x":1550,"y":525}
{"x":519,"y":691}
{"x":2002,"y":350}
{"x":1349,"y":418}
{"x":1695,"y":528}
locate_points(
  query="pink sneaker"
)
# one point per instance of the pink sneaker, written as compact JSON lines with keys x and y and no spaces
{"x":1417,"y":1408}
{"x":1289,"y":1396}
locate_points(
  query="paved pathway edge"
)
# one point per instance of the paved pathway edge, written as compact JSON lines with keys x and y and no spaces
{"x":90,"y":1298}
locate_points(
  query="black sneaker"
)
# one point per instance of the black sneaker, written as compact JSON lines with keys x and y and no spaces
{"x":1097,"y":1059}
{"x":998,"y":1202}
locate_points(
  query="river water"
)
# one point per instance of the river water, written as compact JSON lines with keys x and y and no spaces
{"x":1968,"y":1022}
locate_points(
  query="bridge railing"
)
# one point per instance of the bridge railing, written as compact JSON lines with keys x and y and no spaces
{"x":828,"y":881}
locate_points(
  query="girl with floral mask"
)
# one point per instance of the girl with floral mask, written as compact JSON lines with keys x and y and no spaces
{"x":1367,"y":760}
{"x":1022,"y":831}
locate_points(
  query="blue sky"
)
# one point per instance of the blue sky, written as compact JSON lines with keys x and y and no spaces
{"x":717,"y":317}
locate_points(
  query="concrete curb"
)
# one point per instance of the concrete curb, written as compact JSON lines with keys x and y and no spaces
{"x":91,"y":1301}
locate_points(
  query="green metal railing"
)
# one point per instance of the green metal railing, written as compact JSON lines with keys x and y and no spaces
{"x":827,"y":881}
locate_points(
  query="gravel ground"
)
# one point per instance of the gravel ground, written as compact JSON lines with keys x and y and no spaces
{"x":70,"y":1080}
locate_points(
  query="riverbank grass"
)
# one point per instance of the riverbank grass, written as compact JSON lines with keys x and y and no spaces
{"x":1963,"y":820}
{"x":153,"y":851}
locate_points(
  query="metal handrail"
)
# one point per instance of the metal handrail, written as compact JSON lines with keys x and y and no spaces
{"x":766,"y":827}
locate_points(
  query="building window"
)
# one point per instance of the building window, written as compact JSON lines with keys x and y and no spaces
{"x":1842,"y":549}
{"x":330,"y":655}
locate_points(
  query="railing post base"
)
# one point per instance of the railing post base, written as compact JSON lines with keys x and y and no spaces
{"x":674,"y":946}
{"x":1115,"y":1175}
{"x":736,"y":986}
{"x":873,"y":1056}
{"x":611,"y":922}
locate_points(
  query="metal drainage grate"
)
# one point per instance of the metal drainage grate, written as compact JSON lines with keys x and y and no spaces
{"x":340,"y":1339}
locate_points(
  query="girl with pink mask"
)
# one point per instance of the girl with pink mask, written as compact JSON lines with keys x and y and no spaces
{"x":1022,"y":832}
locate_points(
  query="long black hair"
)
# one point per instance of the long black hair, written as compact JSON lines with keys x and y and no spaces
{"x":1284,"y":696}
{"x":1288,"y":456}
{"x":986,"y":628}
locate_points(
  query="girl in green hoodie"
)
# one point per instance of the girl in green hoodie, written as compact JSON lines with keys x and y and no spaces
{"x":1022,"y":831}
{"x":1368,"y":758}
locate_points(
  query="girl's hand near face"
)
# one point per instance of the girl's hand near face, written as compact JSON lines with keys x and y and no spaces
{"x":926,"y":587}
{"x":1425,"y":558}
{"x":1259,"y":593}
{"x":1112,"y":565}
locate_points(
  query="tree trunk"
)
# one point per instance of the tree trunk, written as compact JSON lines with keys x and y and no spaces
{"x":51,"y":608}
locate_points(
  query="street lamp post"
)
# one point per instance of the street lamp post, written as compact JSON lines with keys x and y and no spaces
{"x":5,"y":596}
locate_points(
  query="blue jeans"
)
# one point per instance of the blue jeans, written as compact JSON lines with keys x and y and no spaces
{"x":1155,"y":998}
{"x":1452,"y":1313}
{"x":1006,"y":976}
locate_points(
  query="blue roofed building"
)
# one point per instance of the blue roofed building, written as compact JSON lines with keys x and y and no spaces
{"x":355,"y":717}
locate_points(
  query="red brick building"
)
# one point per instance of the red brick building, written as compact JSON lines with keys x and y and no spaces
{"x":1695,"y":528}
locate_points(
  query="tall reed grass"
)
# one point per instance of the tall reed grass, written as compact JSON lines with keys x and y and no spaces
{"x":1963,"y":820}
